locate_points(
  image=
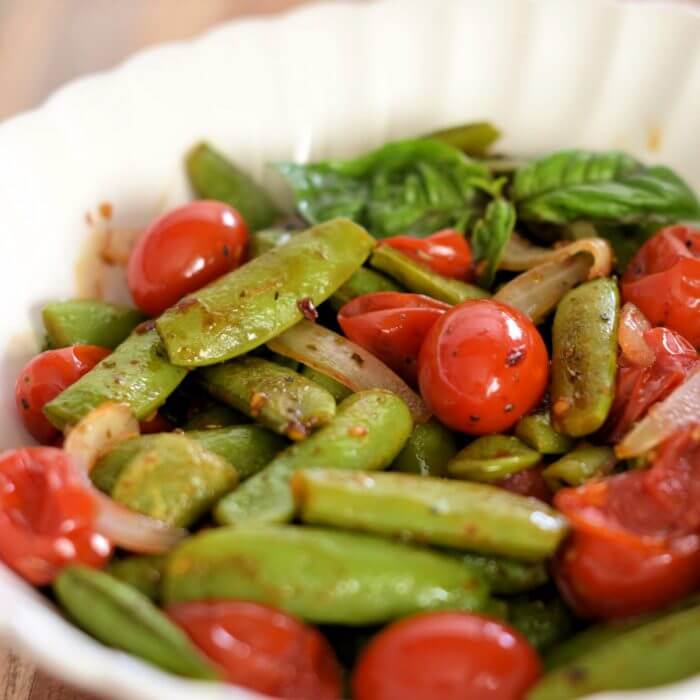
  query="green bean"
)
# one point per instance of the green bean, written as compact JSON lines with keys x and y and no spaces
{"x":122,"y":617}
{"x":276,"y":397}
{"x":584,"y":357}
{"x":363,"y":281}
{"x":536,"y":431}
{"x":578,"y":466}
{"x":337,"y":390}
{"x":88,"y":321}
{"x":543,"y":622}
{"x":422,"y":280}
{"x":136,"y":373}
{"x":176,"y":480}
{"x":267,"y":239}
{"x":474,"y":138}
{"x":428,"y":450}
{"x":247,"y":307}
{"x":144,"y":573}
{"x":462,"y":515}
{"x":215,"y":416}
{"x":319,"y":575}
{"x":505,"y":576}
{"x":492,"y":458}
{"x":214,"y":177}
{"x":368,"y":431}
{"x":661,"y":651}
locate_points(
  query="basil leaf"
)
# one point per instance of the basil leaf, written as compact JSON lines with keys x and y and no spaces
{"x":490,"y":237}
{"x":610,"y":187}
{"x":415,"y":186}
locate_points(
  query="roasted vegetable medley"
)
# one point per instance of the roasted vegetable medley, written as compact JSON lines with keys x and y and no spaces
{"x":432,"y":434}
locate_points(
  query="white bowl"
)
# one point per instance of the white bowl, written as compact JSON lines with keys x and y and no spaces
{"x":328,"y":79}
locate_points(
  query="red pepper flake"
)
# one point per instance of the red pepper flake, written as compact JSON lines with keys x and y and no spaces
{"x":145,"y":327}
{"x":307,"y":308}
{"x":25,"y":404}
{"x":257,"y":401}
{"x":105,"y":210}
{"x":474,"y":419}
{"x":514,"y":356}
{"x":357,"y":431}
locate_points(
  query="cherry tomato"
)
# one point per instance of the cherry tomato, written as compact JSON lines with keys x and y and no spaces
{"x":482,"y":366}
{"x":663,"y":280}
{"x":640,"y":387}
{"x":634,"y":546}
{"x":184,"y":250}
{"x":44,"y":377}
{"x":392,"y":326}
{"x":528,"y":482}
{"x":47,"y":515}
{"x":446,"y":252}
{"x":447,"y":655}
{"x":261,"y":648}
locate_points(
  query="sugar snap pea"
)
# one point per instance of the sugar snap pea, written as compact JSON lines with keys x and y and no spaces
{"x":144,"y":573}
{"x":544,"y":622}
{"x":247,"y":307}
{"x":462,"y":515}
{"x":337,"y":390}
{"x":536,"y":431}
{"x":136,"y":373}
{"x":368,"y":431}
{"x":417,"y":278}
{"x":122,"y":617}
{"x":584,"y":357}
{"x":277,"y":397}
{"x":267,"y":239}
{"x":214,"y":177}
{"x":427,"y":451}
{"x":324,"y":576}
{"x":215,"y":416}
{"x":583,"y":463}
{"x":505,"y":576}
{"x":492,"y":458}
{"x":88,"y":321}
{"x":176,"y":480}
{"x":363,"y":281}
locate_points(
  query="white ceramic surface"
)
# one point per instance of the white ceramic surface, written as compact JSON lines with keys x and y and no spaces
{"x":326,"y":80}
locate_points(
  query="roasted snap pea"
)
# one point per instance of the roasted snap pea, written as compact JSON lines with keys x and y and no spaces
{"x":324,"y":576}
{"x":88,"y":321}
{"x":337,"y":390}
{"x":122,"y":617}
{"x":428,"y":450}
{"x":267,"y":239}
{"x":144,"y":573}
{"x":584,"y":357}
{"x":364,"y":281}
{"x":422,"y":280}
{"x":492,"y":458}
{"x":137,"y":373}
{"x":506,"y":576}
{"x":277,"y":397}
{"x":463,"y":515}
{"x":247,"y":307}
{"x":536,"y":431}
{"x":646,"y":656}
{"x":578,"y":466}
{"x":368,"y":431}
{"x":543,"y":622}
{"x":474,"y":138}
{"x":176,"y":480}
{"x":214,"y":177}
{"x":216,"y":416}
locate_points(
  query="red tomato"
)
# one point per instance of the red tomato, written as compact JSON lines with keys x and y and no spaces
{"x":261,"y":648}
{"x":392,"y":326}
{"x":634,"y":546}
{"x":663,"y":280}
{"x":446,"y":252}
{"x":44,"y":377}
{"x":482,"y":366}
{"x":448,"y":655}
{"x":184,"y":250}
{"x":528,"y":482}
{"x":640,"y":387}
{"x":47,"y":515}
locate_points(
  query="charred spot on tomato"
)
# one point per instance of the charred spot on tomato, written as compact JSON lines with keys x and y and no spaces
{"x":25,"y":404}
{"x":226,"y":250}
{"x":514,"y":356}
{"x":474,"y":419}
{"x":307,"y":308}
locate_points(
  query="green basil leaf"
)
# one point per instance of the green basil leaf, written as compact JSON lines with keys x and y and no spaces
{"x":415,"y":186}
{"x":490,"y":237}
{"x":609,"y":187}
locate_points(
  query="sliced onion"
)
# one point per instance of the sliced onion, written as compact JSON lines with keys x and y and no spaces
{"x":678,"y":410}
{"x":96,"y":433}
{"x":117,"y":245}
{"x":633,"y":324}
{"x":538,"y":291}
{"x":345,"y":361}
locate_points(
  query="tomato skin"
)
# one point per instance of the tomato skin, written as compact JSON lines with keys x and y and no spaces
{"x":44,"y":377}
{"x":392,"y":326}
{"x":262,"y":648}
{"x":482,"y":366}
{"x":446,"y":252}
{"x":184,"y":250}
{"x":46,"y":515}
{"x":447,"y":655}
{"x":528,"y":482}
{"x":663,"y":280}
